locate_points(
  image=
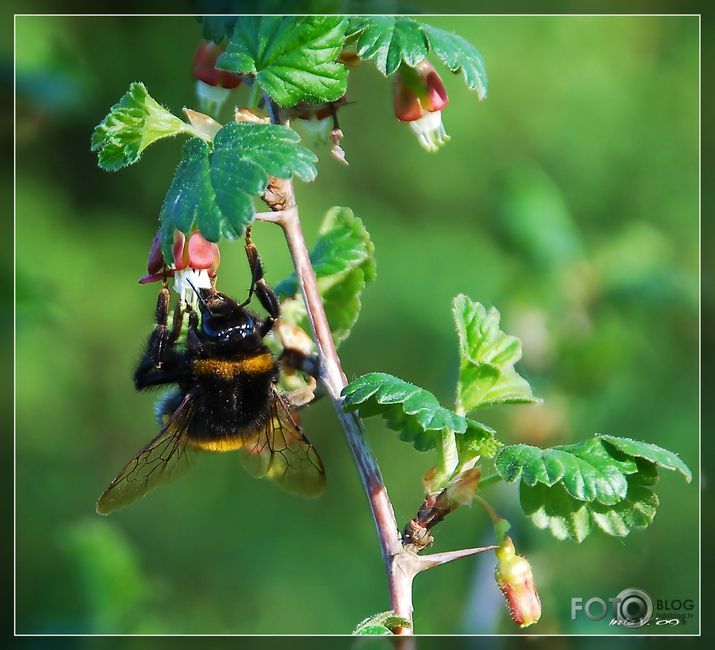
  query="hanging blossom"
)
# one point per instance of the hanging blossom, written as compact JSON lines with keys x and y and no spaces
{"x":418,"y":98}
{"x":320,"y":123}
{"x":195,"y":262}
{"x":516,"y":581}
{"x":212,"y":85}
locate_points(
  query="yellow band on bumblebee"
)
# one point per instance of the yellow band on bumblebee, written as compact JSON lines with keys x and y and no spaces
{"x":228,"y":369}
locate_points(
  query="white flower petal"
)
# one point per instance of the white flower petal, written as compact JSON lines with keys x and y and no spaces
{"x":211,"y":98}
{"x":430,"y":130}
{"x":183,"y":281}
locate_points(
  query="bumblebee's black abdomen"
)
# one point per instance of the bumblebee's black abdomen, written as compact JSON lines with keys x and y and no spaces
{"x":232,"y":401}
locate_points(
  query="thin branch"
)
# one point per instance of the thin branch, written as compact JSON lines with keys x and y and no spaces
{"x":401,"y":563}
{"x":333,"y":379}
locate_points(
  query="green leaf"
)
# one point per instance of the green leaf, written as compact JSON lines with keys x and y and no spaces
{"x":604,"y":481}
{"x":132,"y":124}
{"x":459,"y":55}
{"x":652,"y":453}
{"x":343,"y":259}
{"x":553,"y":508}
{"x":213,"y":188}
{"x":344,"y":245}
{"x":586,"y":470}
{"x":342,"y":304}
{"x":637,"y":510}
{"x":390,"y":41}
{"x":408,"y":409}
{"x":381,"y":624}
{"x":373,"y":630}
{"x":294,"y":58}
{"x":487,"y":357}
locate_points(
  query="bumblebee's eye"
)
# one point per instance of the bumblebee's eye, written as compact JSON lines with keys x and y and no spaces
{"x":209,"y":328}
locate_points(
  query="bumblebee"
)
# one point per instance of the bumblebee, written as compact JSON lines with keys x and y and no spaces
{"x":225,"y":397}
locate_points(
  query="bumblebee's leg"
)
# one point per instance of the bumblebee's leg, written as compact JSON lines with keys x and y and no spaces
{"x":193,"y":342}
{"x":161,"y":363}
{"x":260,"y":287}
{"x":177,"y":323}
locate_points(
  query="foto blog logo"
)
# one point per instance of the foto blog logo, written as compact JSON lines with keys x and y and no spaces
{"x":633,"y":608}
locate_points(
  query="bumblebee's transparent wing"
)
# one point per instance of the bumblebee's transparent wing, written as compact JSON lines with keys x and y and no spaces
{"x":281,"y":453}
{"x":161,"y":461}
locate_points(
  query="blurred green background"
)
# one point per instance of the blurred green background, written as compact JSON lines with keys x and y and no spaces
{"x":568,"y":200}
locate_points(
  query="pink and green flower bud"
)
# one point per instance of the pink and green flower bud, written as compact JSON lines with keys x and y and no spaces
{"x":195,"y":263}
{"x":516,"y":581}
{"x":418,"y":98}
{"x":198,"y":253}
{"x":212,"y":85}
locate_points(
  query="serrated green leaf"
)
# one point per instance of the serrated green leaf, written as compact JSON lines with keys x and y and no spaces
{"x":485,"y":384}
{"x":417,"y":416}
{"x":373,"y":630}
{"x":568,"y":488}
{"x":342,"y":304}
{"x":459,"y":55}
{"x":555,"y":509}
{"x":294,"y":58}
{"x":408,"y":409}
{"x":657,"y":455}
{"x":389,"y":41}
{"x":637,"y":510}
{"x":132,"y":124}
{"x":586,"y":470}
{"x":487,"y":357}
{"x":381,"y":624}
{"x":344,"y":245}
{"x":647,"y":471}
{"x":343,"y":259}
{"x":213,"y":188}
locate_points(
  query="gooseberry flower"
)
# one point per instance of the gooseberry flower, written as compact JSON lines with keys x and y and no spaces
{"x":195,"y":263}
{"x":515,"y":579}
{"x":212,"y":85}
{"x":418,"y":98}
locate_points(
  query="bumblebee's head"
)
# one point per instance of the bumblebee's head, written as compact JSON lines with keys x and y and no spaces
{"x":224,"y":321}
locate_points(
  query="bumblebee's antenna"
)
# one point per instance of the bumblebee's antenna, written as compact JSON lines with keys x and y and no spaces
{"x":199,"y":296}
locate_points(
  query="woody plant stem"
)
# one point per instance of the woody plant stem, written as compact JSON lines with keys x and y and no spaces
{"x":401,"y":563}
